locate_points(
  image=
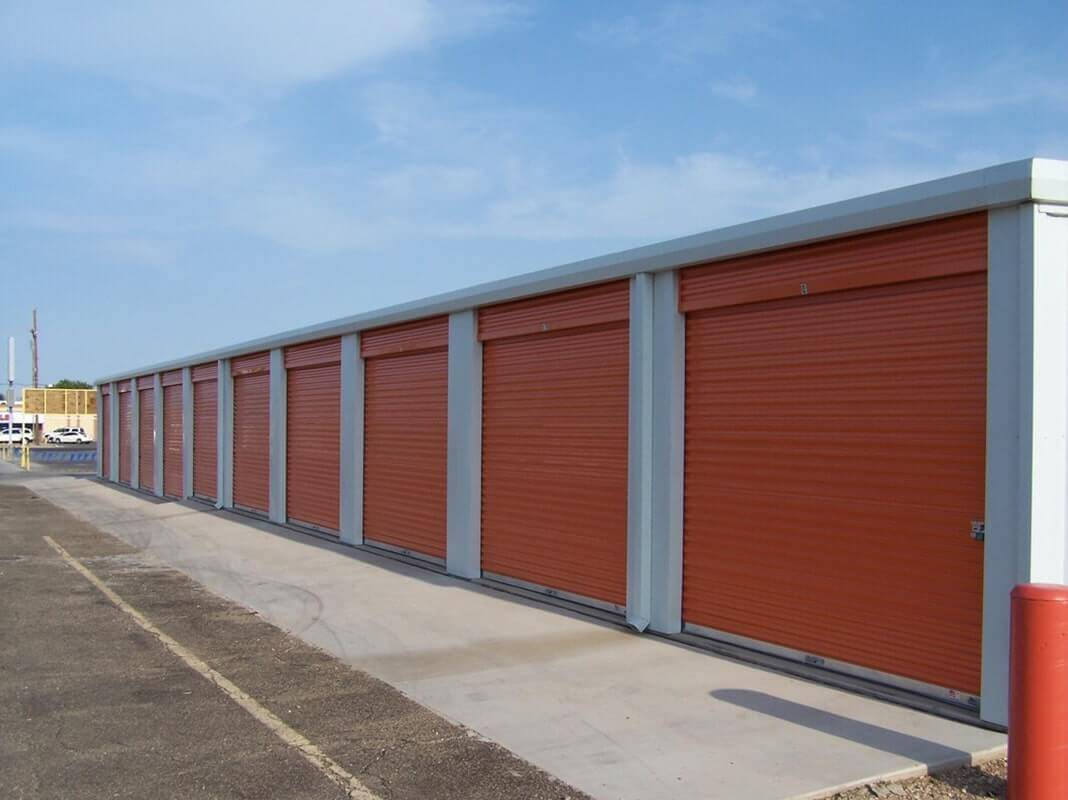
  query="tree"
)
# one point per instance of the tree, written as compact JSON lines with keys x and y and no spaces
{"x":66,"y":383}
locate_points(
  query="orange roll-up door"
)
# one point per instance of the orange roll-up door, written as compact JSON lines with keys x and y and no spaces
{"x":172,"y":433}
{"x":105,"y":432}
{"x":313,"y":438}
{"x":125,"y":431}
{"x":146,"y":432}
{"x":835,"y":449}
{"x":205,"y":430}
{"x":252,"y":416}
{"x":406,"y":392}
{"x":554,"y":441}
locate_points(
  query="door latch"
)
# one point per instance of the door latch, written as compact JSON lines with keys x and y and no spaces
{"x":978,"y":530}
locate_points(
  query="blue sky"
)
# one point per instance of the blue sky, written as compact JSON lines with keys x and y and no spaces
{"x":211,"y":172}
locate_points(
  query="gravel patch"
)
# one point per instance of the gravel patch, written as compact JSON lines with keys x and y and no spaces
{"x":985,"y":780}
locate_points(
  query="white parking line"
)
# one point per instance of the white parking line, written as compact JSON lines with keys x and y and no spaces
{"x":316,"y":757}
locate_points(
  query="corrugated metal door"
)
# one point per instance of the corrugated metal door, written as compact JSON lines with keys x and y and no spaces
{"x":125,"y":431}
{"x":835,"y":449}
{"x":105,"y":432}
{"x":172,"y":433}
{"x":406,"y":392}
{"x":554,"y":441}
{"x":252,"y":416}
{"x":313,"y":437}
{"x":146,"y":432}
{"x":205,"y":430}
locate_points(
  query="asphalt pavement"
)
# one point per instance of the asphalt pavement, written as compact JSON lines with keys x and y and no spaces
{"x":95,"y":705}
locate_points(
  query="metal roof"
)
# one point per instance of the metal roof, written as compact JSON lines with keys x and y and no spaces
{"x":1030,"y":180}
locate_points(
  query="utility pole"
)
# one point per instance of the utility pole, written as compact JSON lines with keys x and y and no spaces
{"x":33,"y":351}
{"x":33,"y":346}
{"x":11,"y":389}
{"x":11,"y":394}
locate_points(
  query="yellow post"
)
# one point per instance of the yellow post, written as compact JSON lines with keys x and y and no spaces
{"x":26,"y":457}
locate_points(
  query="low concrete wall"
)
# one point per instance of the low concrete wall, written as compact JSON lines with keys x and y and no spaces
{"x":61,"y":458}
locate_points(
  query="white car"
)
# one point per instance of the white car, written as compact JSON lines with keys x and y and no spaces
{"x":67,"y":436}
{"x":20,"y":435}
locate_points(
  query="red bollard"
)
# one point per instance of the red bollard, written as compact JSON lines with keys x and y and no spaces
{"x":1038,"y":693}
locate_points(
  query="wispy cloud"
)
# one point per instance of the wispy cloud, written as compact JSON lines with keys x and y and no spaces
{"x":50,"y":221}
{"x":739,"y":89}
{"x":443,"y":165}
{"x":937,"y":118}
{"x":139,"y":251}
{"x":432,"y":119}
{"x":430,"y":161}
{"x":1002,"y":88}
{"x":220,"y":48}
{"x":686,"y":30}
{"x":688,"y":194}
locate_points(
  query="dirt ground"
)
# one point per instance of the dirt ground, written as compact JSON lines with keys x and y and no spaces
{"x":986,"y":780}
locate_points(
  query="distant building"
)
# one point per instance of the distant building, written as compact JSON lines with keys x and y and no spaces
{"x":46,"y":423}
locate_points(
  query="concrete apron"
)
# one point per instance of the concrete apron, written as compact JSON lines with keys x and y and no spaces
{"x":613,"y":713}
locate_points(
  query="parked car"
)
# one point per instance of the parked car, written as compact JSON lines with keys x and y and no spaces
{"x":60,"y":431}
{"x":67,"y":436}
{"x":20,"y":435}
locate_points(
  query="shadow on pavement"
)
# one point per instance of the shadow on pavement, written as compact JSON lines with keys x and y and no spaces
{"x":889,"y":741}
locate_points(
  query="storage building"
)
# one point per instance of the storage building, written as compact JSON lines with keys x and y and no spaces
{"x":836,"y":436}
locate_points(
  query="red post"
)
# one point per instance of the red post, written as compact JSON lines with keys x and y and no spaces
{"x":1038,"y":693}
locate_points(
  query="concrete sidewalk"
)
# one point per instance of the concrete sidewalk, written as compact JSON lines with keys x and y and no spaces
{"x":614,"y":714}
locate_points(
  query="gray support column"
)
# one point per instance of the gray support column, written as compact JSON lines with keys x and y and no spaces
{"x":351,"y":474}
{"x":669,"y":407}
{"x":101,"y":469}
{"x":464,"y":494}
{"x":224,"y":462}
{"x":277,"y":438}
{"x":157,"y":433}
{"x":113,"y":434}
{"x":1027,"y":394}
{"x":187,"y":432}
{"x":135,"y":434}
{"x":640,"y":454}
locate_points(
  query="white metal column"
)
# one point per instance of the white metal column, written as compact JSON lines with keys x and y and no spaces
{"x":640,"y":454}
{"x":276,"y":499}
{"x":187,"y":432}
{"x":351,"y":472}
{"x":157,"y":434}
{"x":1027,"y":422}
{"x":224,"y":454}
{"x":101,"y":469}
{"x":463,"y":554}
{"x":669,"y":408}
{"x":113,"y":434}
{"x":135,"y":435}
